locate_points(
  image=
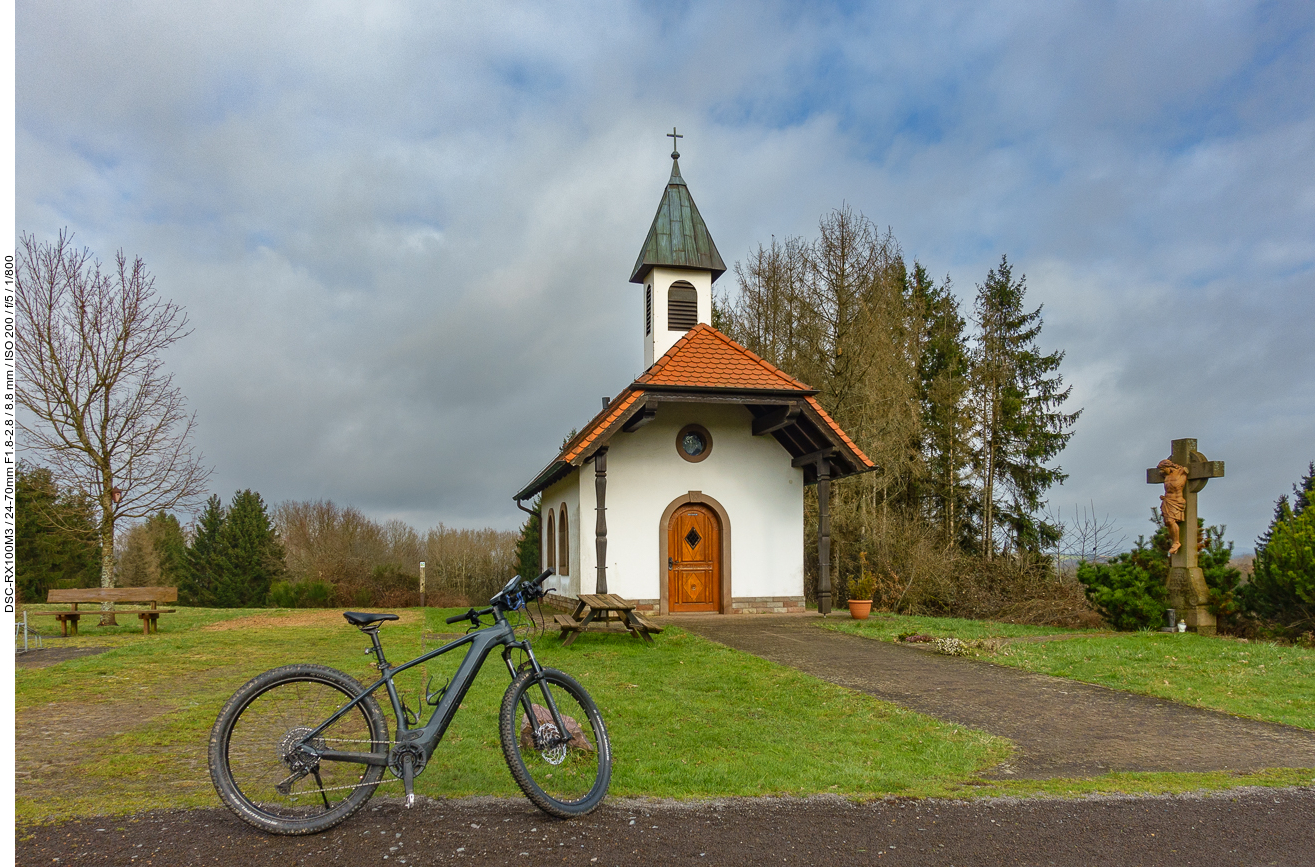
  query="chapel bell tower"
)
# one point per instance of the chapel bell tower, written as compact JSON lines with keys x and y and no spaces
{"x":676,"y":267}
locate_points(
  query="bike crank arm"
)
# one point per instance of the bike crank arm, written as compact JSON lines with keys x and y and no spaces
{"x":408,"y":779}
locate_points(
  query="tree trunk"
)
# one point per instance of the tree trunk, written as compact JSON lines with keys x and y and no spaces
{"x":107,"y":567}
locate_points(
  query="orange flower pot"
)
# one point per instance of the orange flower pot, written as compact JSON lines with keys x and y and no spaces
{"x":859,"y":609}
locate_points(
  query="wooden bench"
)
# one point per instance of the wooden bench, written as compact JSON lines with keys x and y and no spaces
{"x":567,"y":623}
{"x":68,"y":620}
{"x":642,"y":621}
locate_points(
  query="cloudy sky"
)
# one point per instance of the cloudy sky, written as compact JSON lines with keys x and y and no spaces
{"x":403,"y":231}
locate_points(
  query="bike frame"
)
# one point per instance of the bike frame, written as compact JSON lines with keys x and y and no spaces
{"x":427,"y":737}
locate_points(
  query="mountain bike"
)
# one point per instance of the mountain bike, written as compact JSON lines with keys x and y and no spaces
{"x":300,"y":748}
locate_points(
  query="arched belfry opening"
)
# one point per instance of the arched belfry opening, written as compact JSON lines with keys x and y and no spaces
{"x":682,"y":306}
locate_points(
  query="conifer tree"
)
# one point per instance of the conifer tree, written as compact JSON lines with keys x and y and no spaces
{"x":204,"y":557}
{"x":54,"y":536}
{"x":942,"y":352}
{"x":251,"y":555}
{"x":1282,"y":586}
{"x":1017,"y":394}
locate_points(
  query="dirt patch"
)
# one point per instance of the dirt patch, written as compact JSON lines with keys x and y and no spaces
{"x":301,"y":617}
{"x":54,"y":739}
{"x":1061,"y":728}
{"x":1255,"y":826}
{"x":46,"y":656}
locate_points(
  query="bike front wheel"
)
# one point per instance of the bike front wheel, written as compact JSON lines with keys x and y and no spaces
{"x":565,"y":774}
{"x":258,"y":759}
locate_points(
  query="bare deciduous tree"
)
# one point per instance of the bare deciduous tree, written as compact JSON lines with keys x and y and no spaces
{"x":105,"y":416}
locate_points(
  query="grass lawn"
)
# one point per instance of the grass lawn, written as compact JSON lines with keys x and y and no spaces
{"x":1251,"y":679}
{"x":127,"y":730}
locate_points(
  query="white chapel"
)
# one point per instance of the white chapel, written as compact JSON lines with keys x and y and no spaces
{"x":686,"y":493}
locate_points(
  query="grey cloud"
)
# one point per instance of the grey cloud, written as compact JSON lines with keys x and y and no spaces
{"x":403,"y":231}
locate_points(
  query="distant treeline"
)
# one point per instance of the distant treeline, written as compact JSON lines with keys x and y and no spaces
{"x":299,"y":554}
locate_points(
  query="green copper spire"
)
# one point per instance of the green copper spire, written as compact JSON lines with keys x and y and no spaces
{"x":678,"y":238}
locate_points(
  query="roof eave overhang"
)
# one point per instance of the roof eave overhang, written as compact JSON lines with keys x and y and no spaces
{"x":642,"y":269}
{"x":554,"y":472}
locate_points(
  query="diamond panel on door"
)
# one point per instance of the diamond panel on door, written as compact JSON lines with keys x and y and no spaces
{"x":694,"y":551}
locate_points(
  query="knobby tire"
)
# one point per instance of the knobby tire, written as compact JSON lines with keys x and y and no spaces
{"x":563,"y":780}
{"x":250,"y":756}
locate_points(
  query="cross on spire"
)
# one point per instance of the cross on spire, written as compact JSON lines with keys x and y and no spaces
{"x":673,"y":135}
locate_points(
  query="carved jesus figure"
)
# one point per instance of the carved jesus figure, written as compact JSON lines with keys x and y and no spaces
{"x":1173,"y":504}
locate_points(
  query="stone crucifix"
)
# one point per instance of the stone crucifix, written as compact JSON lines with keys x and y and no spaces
{"x":1184,"y":473}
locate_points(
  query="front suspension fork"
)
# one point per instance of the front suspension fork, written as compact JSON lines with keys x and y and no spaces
{"x":528,"y":705}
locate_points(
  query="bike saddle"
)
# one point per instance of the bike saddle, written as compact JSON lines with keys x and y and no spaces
{"x":365,"y":618}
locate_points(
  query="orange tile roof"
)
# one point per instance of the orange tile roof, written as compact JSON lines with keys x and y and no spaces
{"x":598,"y":425}
{"x":703,"y":358}
{"x":706,"y":358}
{"x":812,"y":401}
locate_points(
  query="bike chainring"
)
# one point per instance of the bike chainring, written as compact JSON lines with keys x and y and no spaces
{"x":418,"y":759}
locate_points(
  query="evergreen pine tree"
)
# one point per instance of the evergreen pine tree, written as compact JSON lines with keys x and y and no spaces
{"x":251,"y":554}
{"x":1302,"y":493}
{"x":942,"y":368}
{"x":1017,"y":395}
{"x":204,"y":562}
{"x":1282,"y":586}
{"x":54,"y":536}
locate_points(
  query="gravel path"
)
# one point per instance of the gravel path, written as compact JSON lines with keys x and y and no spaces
{"x":1062,"y":728}
{"x":1244,"y":827}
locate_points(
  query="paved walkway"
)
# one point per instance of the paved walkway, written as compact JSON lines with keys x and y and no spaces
{"x":1062,"y":728}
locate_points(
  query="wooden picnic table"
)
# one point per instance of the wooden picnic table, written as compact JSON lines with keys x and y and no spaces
{"x":600,"y":610}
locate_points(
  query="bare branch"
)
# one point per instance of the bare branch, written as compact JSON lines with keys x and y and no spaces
{"x":103,"y":413}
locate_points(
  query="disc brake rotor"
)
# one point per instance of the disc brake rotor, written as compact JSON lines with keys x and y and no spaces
{"x":547,"y":734}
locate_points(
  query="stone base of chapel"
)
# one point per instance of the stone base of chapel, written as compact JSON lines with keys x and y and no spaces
{"x":768,"y":605}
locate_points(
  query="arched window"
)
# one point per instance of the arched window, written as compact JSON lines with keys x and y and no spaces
{"x":682,"y":306}
{"x":550,"y":537}
{"x":563,"y":544}
{"x":648,"y":308}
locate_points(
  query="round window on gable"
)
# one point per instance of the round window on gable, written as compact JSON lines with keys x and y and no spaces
{"x":694,"y":443}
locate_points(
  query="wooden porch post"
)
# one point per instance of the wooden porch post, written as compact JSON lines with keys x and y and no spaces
{"x":824,"y":536}
{"x":600,"y":532}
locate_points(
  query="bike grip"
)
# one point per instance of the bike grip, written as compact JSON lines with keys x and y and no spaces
{"x":457,"y":618}
{"x":543,"y":577}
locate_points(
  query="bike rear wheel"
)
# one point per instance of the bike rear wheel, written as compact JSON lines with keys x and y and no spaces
{"x":259,"y":769}
{"x":565,"y":774}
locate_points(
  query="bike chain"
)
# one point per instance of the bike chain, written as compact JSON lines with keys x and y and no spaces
{"x":317,"y":789}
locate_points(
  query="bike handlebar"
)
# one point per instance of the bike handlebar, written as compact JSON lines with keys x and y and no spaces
{"x":470,"y":615}
{"x":473,"y":616}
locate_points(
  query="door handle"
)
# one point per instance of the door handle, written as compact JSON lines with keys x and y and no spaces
{"x":671,"y":564}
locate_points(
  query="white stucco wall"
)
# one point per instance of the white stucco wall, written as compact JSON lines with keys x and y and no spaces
{"x":660,"y":279}
{"x":749,"y":476}
{"x":564,"y":491}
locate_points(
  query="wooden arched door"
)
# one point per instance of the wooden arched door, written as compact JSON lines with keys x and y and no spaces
{"x":694,"y":559}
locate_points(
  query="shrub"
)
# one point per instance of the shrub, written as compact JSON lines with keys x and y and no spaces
{"x":1131,"y":590}
{"x":300,"y":594}
{"x":1125,"y":591}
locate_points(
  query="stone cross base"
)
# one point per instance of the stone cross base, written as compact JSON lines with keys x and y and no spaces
{"x":1189,"y":594}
